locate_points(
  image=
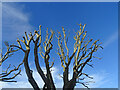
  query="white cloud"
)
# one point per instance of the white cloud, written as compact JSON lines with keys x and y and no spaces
{"x":56,"y":78}
{"x":15,"y":21}
{"x":22,"y":81}
{"x":19,"y":84}
{"x":100,"y":79}
{"x":111,"y":39}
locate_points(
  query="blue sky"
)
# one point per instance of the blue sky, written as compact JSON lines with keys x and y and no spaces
{"x":102,"y":23}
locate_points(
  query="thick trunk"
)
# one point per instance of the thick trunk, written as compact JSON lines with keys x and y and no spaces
{"x":41,"y":73}
{"x":65,"y":75}
{"x":48,"y":81}
{"x":29,"y":72}
{"x":70,"y":84}
{"x":49,"y":76}
{"x":51,"y":81}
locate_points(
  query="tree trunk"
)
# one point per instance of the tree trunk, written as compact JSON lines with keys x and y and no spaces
{"x":49,"y":76}
{"x":29,"y":72}
{"x":41,"y":73}
{"x":70,"y":84}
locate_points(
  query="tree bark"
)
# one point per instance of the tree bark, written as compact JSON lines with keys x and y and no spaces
{"x":41,"y":73}
{"x":49,"y":76}
{"x":65,"y":77}
{"x":29,"y":72}
{"x":70,"y":84}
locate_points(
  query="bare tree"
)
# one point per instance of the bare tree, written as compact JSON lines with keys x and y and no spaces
{"x":48,"y":80}
{"x":7,"y":75}
{"x":81,"y":55}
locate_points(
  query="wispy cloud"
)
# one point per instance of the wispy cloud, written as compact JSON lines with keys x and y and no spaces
{"x":100,"y":79}
{"x":22,"y":81}
{"x":15,"y":21}
{"x":111,"y":39}
{"x":55,"y":73}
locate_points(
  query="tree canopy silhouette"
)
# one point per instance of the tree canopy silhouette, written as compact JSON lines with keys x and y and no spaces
{"x":81,"y":56}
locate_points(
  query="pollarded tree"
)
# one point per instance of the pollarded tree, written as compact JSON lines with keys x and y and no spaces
{"x":80,"y":57}
{"x":48,"y":80}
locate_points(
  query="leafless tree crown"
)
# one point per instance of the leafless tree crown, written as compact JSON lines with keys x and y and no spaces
{"x":81,"y":56}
